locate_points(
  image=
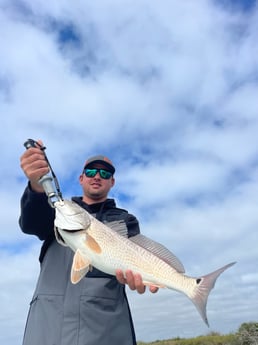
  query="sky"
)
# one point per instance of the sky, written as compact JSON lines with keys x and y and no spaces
{"x":168,"y":90}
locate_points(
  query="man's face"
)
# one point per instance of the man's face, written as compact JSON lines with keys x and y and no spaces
{"x":96,"y":188}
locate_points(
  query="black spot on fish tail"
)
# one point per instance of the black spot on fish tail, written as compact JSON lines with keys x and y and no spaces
{"x":201,"y":290}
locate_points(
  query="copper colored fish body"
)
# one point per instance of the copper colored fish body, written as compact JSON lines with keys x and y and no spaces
{"x":108,"y":249}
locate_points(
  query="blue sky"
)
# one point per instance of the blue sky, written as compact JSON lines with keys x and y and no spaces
{"x":168,"y":90}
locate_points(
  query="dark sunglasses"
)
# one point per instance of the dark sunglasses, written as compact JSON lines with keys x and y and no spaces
{"x":102,"y":173}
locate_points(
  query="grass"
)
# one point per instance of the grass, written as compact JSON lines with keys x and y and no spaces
{"x":214,"y":339}
{"x":247,"y":334}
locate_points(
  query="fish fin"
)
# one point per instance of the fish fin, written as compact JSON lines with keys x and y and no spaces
{"x":146,"y":283}
{"x":118,"y":226}
{"x":80,"y":267}
{"x":199,"y":295}
{"x":93,"y":244}
{"x":159,"y":250}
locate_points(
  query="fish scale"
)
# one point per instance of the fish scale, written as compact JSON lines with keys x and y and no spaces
{"x":135,"y":258}
{"x":96,"y":244}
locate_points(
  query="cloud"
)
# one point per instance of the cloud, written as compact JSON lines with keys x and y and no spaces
{"x":168,"y":91}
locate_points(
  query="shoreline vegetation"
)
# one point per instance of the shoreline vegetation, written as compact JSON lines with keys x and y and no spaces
{"x":247,"y":334}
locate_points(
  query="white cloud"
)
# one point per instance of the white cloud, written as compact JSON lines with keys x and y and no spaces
{"x":169,"y":92}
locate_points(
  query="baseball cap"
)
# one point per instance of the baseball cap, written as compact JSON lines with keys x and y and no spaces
{"x":101,"y":160}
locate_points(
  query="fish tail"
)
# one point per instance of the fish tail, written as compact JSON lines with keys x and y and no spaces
{"x":199,"y":295}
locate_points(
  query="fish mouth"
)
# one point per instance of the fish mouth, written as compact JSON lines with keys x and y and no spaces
{"x":59,"y":237}
{"x":72,"y":231}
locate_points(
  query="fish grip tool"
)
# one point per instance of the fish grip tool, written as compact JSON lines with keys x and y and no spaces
{"x":51,"y":189}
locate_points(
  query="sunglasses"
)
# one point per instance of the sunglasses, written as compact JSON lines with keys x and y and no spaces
{"x":102,"y":173}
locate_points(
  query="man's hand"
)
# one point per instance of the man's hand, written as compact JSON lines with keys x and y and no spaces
{"x":134,"y":281}
{"x":34,"y":166}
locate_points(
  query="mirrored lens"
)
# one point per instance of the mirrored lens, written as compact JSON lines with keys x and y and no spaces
{"x":90,"y":172}
{"x":102,"y":172}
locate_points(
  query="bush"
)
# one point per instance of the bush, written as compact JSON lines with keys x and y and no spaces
{"x":248,"y":334}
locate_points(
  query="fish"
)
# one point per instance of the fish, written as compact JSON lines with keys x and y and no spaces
{"x":107,"y":248}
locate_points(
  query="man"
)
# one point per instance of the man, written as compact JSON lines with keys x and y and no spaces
{"x":95,"y":311}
